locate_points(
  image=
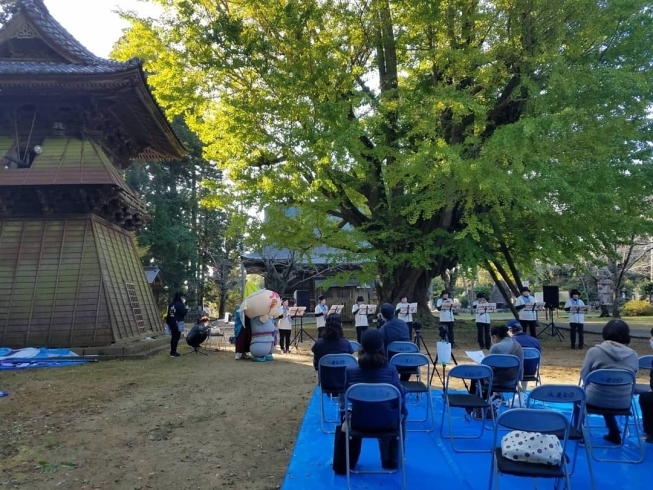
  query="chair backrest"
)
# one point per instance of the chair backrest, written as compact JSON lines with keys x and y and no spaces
{"x":331,"y":369}
{"x":476,"y":372}
{"x":412,"y":359}
{"x":378,"y":398}
{"x":559,"y":394}
{"x":611,"y":377}
{"x":401,"y":346}
{"x":531,"y":353}
{"x":355,"y":345}
{"x":532,"y":420}
{"x":503,"y":362}
{"x":646,"y":362}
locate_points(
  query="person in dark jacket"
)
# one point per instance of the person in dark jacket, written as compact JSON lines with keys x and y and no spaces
{"x":175,"y":319}
{"x":646,"y":404}
{"x":373,"y":367}
{"x":332,"y":341}
{"x":393,"y":328}
{"x":526,"y":341}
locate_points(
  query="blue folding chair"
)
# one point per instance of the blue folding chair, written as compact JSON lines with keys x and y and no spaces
{"x":501,"y":362}
{"x":354,"y":345}
{"x":530,"y":420}
{"x":378,"y":398}
{"x":415,"y":360}
{"x":402,"y":347}
{"x":614,"y":378}
{"x":565,"y":394}
{"x":331,"y":368}
{"x":468,"y":401}
{"x":645,"y":364}
{"x":529,"y":354}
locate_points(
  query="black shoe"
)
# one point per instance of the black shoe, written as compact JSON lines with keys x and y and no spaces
{"x":176,"y":354}
{"x":614,"y":438}
{"x":581,"y":346}
{"x":573,"y":347}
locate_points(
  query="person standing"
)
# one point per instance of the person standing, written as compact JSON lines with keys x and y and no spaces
{"x":175,"y":320}
{"x":285,"y":327}
{"x":482,"y":322}
{"x":408,"y":316}
{"x":360,"y":320}
{"x":527,"y":318}
{"x":446,"y":315}
{"x":321,"y":310}
{"x":576,"y":320}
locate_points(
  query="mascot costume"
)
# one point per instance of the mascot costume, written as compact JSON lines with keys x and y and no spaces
{"x":254,"y":325}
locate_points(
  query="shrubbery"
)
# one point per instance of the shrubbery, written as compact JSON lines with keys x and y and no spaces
{"x":637,"y":307}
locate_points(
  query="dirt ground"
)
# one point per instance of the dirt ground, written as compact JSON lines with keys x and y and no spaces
{"x":196,"y":422}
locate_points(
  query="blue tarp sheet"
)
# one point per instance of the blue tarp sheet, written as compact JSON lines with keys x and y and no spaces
{"x":37,"y":357}
{"x":432,"y":463}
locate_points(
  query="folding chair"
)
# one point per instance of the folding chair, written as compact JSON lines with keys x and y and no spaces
{"x":403,"y":347}
{"x":410,"y":361}
{"x":471,"y":401}
{"x":614,"y":378}
{"x":645,"y":364}
{"x":564,"y":394}
{"x":378,"y":397}
{"x":355,"y":345}
{"x":332,"y":367}
{"x":501,"y":362}
{"x":530,"y":420}
{"x":531,"y":353}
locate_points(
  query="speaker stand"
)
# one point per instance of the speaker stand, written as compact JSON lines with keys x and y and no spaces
{"x":551,"y":327}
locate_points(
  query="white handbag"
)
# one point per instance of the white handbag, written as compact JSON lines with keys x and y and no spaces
{"x":532,"y":447}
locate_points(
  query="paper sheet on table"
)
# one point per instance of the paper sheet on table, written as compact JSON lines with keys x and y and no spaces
{"x":475,"y":355}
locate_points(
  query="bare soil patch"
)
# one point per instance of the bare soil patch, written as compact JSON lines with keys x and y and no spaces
{"x":194,"y":422}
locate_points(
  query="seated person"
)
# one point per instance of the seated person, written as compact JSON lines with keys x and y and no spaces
{"x":394,"y":330}
{"x":613,"y":353}
{"x":373,"y":367}
{"x":646,"y":404}
{"x":526,"y":341}
{"x":332,"y":341}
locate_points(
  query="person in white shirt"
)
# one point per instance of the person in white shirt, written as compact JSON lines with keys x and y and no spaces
{"x":446,"y":315}
{"x":285,"y":326}
{"x":482,"y":322}
{"x":526,"y":318}
{"x":360,"y":321}
{"x":576,"y":320}
{"x":321,"y":310}
{"x":407,"y":317}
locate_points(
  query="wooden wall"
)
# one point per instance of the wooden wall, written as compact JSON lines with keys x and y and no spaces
{"x":60,"y":284}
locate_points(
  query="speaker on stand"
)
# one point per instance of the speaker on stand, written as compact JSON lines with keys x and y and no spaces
{"x":552,"y":302}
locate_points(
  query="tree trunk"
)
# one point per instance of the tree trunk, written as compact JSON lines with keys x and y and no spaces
{"x":223,"y":291}
{"x":506,"y":294}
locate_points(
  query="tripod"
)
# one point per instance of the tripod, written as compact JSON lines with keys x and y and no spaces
{"x":299,"y":334}
{"x":555,"y":331}
{"x":419,"y":340}
{"x":197,"y":351}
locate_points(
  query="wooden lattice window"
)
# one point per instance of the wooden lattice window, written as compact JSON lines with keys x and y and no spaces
{"x":136,"y":306}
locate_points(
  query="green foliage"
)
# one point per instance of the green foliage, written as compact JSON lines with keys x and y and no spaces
{"x":637,"y":307}
{"x":417,"y":135}
{"x":648,"y":288}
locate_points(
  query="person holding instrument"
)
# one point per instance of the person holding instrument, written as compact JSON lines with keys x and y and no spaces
{"x":446,"y":315}
{"x":482,"y":322}
{"x":360,"y":321}
{"x":407,"y":316}
{"x":526,"y":318}
{"x":576,"y":319}
{"x":285,"y":327}
{"x":321,"y":310}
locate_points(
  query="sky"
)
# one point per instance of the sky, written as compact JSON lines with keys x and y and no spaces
{"x":93,"y":22}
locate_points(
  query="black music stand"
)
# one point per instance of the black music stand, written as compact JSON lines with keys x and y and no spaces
{"x":551,"y":326}
{"x":298,"y":312}
{"x":335,"y":310}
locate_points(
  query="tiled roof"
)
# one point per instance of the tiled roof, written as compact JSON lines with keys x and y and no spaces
{"x":45,"y":68}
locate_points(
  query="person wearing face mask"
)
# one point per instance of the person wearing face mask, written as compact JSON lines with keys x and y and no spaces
{"x":175,"y":320}
{"x":526,"y":318}
{"x":646,"y":404}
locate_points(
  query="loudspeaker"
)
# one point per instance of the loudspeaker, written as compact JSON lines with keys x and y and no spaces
{"x":551,"y":297}
{"x":302,"y":297}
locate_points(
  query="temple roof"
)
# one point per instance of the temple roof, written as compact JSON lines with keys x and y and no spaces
{"x":40,"y":59}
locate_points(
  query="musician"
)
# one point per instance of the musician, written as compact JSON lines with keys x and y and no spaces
{"x":526,"y":318}
{"x":576,"y":320}
{"x":321,"y":310}
{"x":446,"y":315}
{"x":360,"y":321}
{"x":408,"y":316}
{"x":482,"y":322}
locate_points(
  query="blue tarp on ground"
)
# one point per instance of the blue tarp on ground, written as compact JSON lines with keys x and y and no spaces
{"x":431,"y":463}
{"x":37,"y":357}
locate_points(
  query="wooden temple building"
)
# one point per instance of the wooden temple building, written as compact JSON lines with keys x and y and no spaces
{"x":70,"y":123}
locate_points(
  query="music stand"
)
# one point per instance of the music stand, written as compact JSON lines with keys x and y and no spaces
{"x":365,"y":310}
{"x":294,"y":312}
{"x":486,"y":307}
{"x":555,"y":331}
{"x":335,"y":310}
